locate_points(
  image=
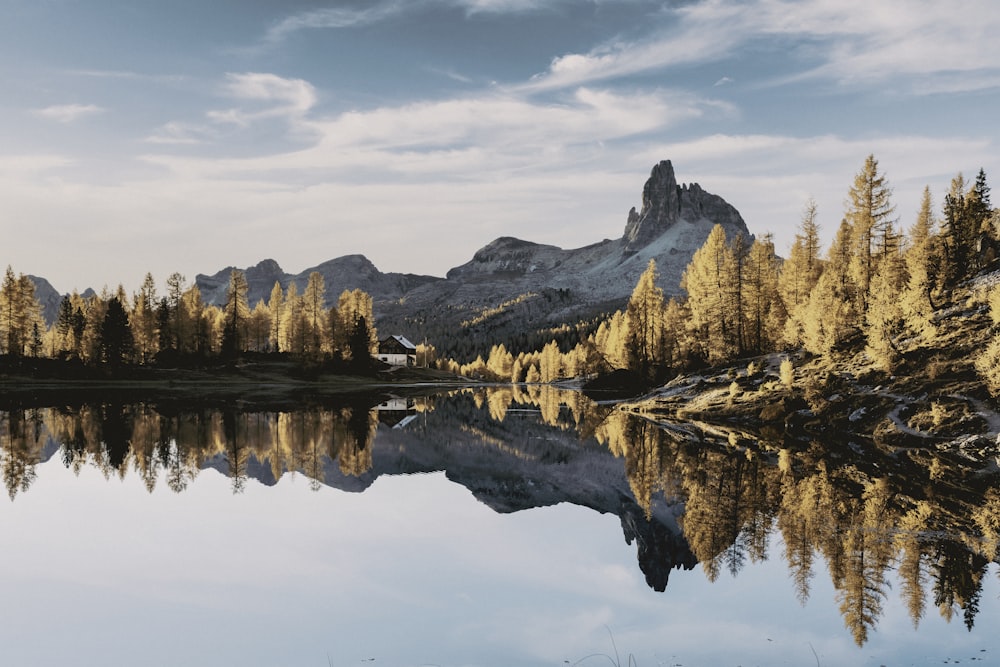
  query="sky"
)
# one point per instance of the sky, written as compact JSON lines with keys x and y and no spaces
{"x":146,"y":136}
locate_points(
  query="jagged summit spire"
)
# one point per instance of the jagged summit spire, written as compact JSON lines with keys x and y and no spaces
{"x":664,"y":203}
{"x":660,"y":206}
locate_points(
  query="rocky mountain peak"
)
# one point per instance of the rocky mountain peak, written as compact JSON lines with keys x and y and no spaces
{"x":664,"y":203}
{"x":660,"y":206}
{"x":358,"y":264}
{"x":506,"y":255}
{"x":266,"y":270}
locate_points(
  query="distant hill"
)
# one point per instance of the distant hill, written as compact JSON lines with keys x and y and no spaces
{"x":348,"y":272}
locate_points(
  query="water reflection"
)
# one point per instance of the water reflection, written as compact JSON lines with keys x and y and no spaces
{"x":687,"y":494}
{"x":929,"y":513}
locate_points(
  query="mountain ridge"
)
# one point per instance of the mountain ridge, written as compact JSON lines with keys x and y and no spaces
{"x":510,"y":286}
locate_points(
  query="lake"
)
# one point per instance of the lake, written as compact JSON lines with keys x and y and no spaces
{"x":501,"y":526}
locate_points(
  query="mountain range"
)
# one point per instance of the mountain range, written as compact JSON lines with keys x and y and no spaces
{"x":510,"y":287}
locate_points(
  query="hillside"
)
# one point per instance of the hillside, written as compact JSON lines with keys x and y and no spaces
{"x":934,"y":396}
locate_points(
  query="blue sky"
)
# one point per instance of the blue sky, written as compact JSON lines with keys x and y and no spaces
{"x":188,"y":136}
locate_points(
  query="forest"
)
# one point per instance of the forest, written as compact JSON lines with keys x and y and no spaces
{"x":113,"y":330}
{"x":876,"y":288}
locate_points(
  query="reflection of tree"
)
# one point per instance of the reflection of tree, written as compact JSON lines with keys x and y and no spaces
{"x":21,"y":439}
{"x":726,"y":519}
{"x":797,"y":534}
{"x":868,"y":549}
{"x":912,"y":569}
{"x":179,"y":470}
{"x":499,"y":400}
{"x":958,"y":580}
{"x":237,"y":452}
{"x":643,"y":464}
{"x":858,"y":509}
{"x":313,"y":436}
{"x":550,"y":401}
{"x":146,"y":445}
{"x":354,"y":439}
{"x":116,"y":433}
{"x":116,"y":438}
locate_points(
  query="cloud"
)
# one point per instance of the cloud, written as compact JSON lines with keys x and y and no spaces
{"x":68,"y":113}
{"x":934,"y":47}
{"x":450,"y":74}
{"x":506,"y":6}
{"x":30,"y":165}
{"x":127,"y":75}
{"x":280,"y":97}
{"x":176,"y":133}
{"x":295,"y":93}
{"x":352,"y":17}
{"x":335,"y":18}
{"x":851,"y":42}
{"x":493,"y":131}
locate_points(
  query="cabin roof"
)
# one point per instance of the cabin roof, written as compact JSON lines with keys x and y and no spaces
{"x":402,"y":340}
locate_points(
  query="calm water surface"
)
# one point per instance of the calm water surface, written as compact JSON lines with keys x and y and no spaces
{"x":492,"y":528}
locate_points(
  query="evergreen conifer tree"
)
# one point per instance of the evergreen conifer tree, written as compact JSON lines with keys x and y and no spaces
{"x":237,"y":313}
{"x":645,"y":322}
{"x":917,"y":303}
{"x":708,"y":280}
{"x":870,"y":215}
{"x":116,"y":342}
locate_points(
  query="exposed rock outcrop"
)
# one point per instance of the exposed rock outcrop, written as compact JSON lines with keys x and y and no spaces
{"x":665,"y":203}
{"x":48,"y":297}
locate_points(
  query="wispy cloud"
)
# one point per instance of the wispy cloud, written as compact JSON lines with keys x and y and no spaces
{"x":279,"y":96}
{"x":28,"y":165}
{"x":126,"y":75}
{"x":178,"y":134}
{"x":451,"y":74}
{"x":850,"y":42}
{"x":352,"y":17}
{"x":491,"y":132}
{"x":335,"y":17}
{"x":68,"y":113}
{"x":506,"y":6}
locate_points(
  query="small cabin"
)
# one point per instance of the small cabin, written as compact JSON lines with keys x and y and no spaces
{"x":397,"y":351}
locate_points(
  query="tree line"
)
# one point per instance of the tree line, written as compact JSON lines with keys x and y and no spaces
{"x":876,"y":281}
{"x":115,"y":329}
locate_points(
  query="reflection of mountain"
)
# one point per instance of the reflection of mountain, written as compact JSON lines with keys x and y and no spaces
{"x":526,"y":460}
{"x":684,"y":494}
{"x":513,"y":450}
